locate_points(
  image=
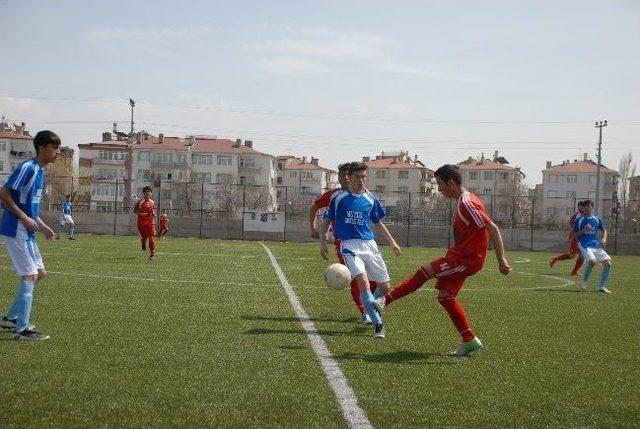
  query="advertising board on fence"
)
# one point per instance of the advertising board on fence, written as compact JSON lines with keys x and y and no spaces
{"x":263,"y":221}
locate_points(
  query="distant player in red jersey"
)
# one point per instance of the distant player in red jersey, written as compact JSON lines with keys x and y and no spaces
{"x":146,"y":211}
{"x":321,"y":202}
{"x":472,"y":228}
{"x":164,"y":224}
{"x":573,"y":244}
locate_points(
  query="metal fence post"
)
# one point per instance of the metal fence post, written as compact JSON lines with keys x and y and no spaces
{"x":201,"y":202}
{"x":286,"y":203}
{"x":533,"y":209}
{"x":244,"y":206}
{"x":408,"y":218}
{"x":115,"y":209}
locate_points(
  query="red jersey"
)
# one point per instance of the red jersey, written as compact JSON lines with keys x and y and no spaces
{"x":470,"y":229}
{"x":146,"y":212}
{"x":324,"y":199}
{"x":572,"y":222}
{"x":164,"y":221}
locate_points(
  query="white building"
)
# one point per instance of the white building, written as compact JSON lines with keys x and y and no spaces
{"x":301,"y":178}
{"x":16,"y":145}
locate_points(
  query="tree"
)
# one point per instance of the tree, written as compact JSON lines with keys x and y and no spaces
{"x":627,"y":169}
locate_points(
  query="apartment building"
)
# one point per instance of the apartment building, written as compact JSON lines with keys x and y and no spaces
{"x":16,"y":145}
{"x":395,"y":176}
{"x":498,"y":184}
{"x":183,"y":172}
{"x":302,"y":178}
{"x":570,"y":181}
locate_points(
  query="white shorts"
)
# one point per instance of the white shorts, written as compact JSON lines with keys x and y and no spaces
{"x":66,"y":219}
{"x":594,"y":255}
{"x":363,"y":256}
{"x":24,"y":254}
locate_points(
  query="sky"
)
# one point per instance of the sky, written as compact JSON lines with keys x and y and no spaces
{"x":337,"y":80}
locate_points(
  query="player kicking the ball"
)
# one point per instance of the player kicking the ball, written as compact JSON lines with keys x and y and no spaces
{"x":472,"y":229}
{"x":352,"y":211}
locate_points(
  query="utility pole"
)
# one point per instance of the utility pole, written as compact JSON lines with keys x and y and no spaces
{"x":599,"y":125}
{"x":132,"y":104}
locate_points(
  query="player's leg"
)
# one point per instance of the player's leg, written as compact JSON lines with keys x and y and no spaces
{"x":376,"y":271}
{"x":577,"y":265}
{"x":152,"y":242}
{"x":355,"y":289}
{"x":590,"y":263}
{"x":72,"y":228}
{"x":606,"y":270}
{"x":408,"y":285}
{"x":59,"y":226}
{"x":448,"y":289}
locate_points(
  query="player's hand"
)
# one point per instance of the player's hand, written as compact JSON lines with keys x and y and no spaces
{"x":314,"y":233}
{"x":604,"y":242}
{"x":30,"y":224}
{"x":396,"y":249}
{"x":324,"y":252}
{"x":505,"y":268}
{"x":48,"y":233}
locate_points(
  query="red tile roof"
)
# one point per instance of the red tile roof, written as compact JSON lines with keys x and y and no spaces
{"x":14,"y":135}
{"x":392,"y":163}
{"x":476,"y":164}
{"x":588,"y":166}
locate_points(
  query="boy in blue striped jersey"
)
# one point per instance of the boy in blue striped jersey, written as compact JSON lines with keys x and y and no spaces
{"x":20,"y":198}
{"x":353,"y":211}
{"x":586,"y":230}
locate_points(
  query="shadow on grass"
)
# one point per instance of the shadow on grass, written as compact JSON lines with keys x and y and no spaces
{"x":402,"y":357}
{"x":321,"y":332}
{"x":295,"y":319}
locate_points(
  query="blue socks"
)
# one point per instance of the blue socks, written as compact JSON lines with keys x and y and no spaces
{"x":604,"y":278}
{"x":21,"y":307}
{"x":588,"y":269}
{"x":367,"y":300}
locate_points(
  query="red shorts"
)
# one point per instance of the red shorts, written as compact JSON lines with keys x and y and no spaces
{"x":147,"y":230}
{"x":452,"y":271}
{"x":573,"y":246}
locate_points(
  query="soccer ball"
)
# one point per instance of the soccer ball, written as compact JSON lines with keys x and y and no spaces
{"x":337,"y":276}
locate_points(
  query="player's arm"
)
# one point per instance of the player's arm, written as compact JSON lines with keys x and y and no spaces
{"x":498,"y":247}
{"x":5,"y":197}
{"x":605,"y":235}
{"x":384,"y":231}
{"x":324,"y":226}
{"x":135,"y":208}
{"x":45,"y":229}
{"x":313,"y":213}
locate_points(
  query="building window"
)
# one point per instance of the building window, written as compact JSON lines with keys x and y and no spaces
{"x":473,"y":175}
{"x":504,"y":176}
{"x":224,"y":159}
{"x":592,"y":178}
{"x":592,"y":195}
{"x":403,"y":189}
{"x":551,"y":212}
{"x":381,"y":174}
{"x":3,"y":146}
{"x":307,"y":175}
{"x":568,"y":211}
{"x":552,"y":194}
{"x":247,"y":162}
{"x":572,"y":178}
{"x":224,"y":178}
{"x":201,"y":159}
{"x":571,"y":194}
{"x":163,"y":157}
{"x":202,"y":177}
{"x":553,"y":178}
{"x":278,"y":194}
{"x":144,"y":156}
{"x":1,"y":166}
{"x":381,"y":189}
{"x":403,"y":174}
{"x":487,"y":191}
{"x":293,"y":175}
{"x":488,"y":175}
{"x":181,"y":159}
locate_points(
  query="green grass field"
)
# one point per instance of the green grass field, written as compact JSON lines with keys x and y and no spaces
{"x":205,"y":336}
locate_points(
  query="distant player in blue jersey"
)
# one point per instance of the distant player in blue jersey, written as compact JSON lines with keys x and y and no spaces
{"x":64,"y":209}
{"x":20,"y":198}
{"x":352,"y":212}
{"x":586,"y":230}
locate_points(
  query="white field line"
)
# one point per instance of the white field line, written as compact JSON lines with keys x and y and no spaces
{"x":353,"y":414}
{"x":142,"y":279}
{"x":522,"y":260}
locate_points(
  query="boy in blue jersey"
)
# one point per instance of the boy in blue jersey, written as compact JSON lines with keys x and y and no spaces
{"x":586,"y":231}
{"x":65,"y":209}
{"x":352,"y":211}
{"x":20,"y":198}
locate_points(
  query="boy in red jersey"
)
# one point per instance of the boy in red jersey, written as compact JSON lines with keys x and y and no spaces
{"x":164,"y":224}
{"x":323,"y":201}
{"x":145,"y":209}
{"x":573,"y":243}
{"x":472,"y":229}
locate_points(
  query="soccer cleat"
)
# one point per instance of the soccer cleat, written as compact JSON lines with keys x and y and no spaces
{"x":576,"y":273}
{"x":72,"y":238}
{"x":152,"y":256}
{"x":30,"y":335}
{"x":604,"y":290}
{"x":366,"y":320}
{"x":379,"y":333}
{"x":380,"y":304}
{"x":8,"y":323}
{"x":467,"y":347}
{"x":144,"y":246}
{"x":552,"y":262}
{"x":584,"y":286}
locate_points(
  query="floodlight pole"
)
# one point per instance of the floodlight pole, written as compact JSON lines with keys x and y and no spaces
{"x":599,"y":125}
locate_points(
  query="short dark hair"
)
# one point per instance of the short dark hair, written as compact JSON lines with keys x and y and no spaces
{"x":344,"y":167}
{"x":68,"y":196}
{"x":147,"y":188}
{"x":357,"y":166}
{"x":449,"y":172}
{"x":580,"y":203}
{"x":587,"y":203}
{"x":44,"y":138}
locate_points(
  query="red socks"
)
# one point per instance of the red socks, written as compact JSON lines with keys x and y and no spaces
{"x":577,"y":266}
{"x":563,"y":257}
{"x":407,"y":286}
{"x":457,"y":315}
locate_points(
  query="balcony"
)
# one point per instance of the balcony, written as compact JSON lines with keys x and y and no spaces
{"x":249,"y":171}
{"x":99,"y":161}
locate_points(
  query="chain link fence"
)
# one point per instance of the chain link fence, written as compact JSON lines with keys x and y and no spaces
{"x":219,"y":210}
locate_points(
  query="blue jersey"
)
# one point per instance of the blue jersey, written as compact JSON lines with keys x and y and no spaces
{"x":590,"y":238}
{"x":25,"y":185}
{"x":65,"y":207}
{"x":352,"y":215}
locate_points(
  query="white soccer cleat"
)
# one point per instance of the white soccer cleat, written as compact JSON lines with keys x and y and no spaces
{"x":604,"y":290}
{"x":380,"y":304}
{"x":366,"y":320}
{"x":467,"y":347}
